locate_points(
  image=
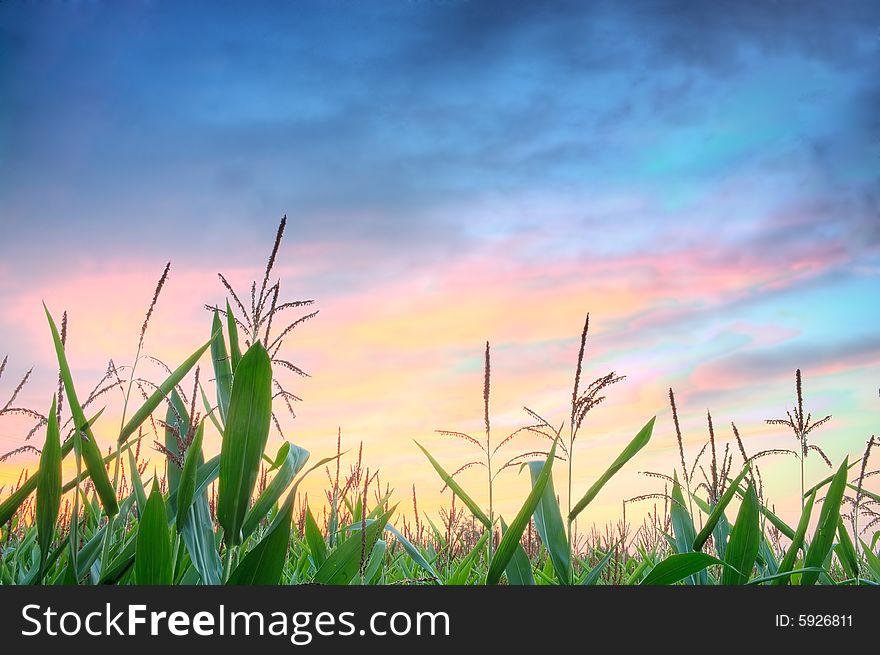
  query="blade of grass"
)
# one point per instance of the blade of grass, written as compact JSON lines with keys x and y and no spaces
{"x":344,"y":562}
{"x":49,"y":487}
{"x":548,"y":522}
{"x":823,"y":538}
{"x":222,"y":366}
{"x":479,"y":514}
{"x":155,"y":399}
{"x":510,"y":540}
{"x":797,"y":541}
{"x":186,"y":489}
{"x":634,"y":446}
{"x":678,"y":567}
{"x":718,"y":510}
{"x":745,"y":539}
{"x":265,"y":563}
{"x":152,"y":562}
{"x":293,"y":458}
{"x":244,"y":440}
{"x":90,"y":452}
{"x":519,"y":569}
{"x":232,"y":328}
{"x":846,"y":552}
{"x":412,"y":551}
{"x":596,"y":572}
{"x":315,"y":540}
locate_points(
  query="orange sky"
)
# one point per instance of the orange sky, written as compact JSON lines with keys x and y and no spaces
{"x":395,"y":364}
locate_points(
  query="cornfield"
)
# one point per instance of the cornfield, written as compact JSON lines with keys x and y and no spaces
{"x":237,"y":517}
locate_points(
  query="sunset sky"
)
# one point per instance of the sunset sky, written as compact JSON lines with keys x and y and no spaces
{"x":703,"y":178}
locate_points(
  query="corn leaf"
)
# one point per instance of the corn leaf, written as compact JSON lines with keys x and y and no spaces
{"x":244,"y":439}
{"x":222,"y":366}
{"x":479,"y":514}
{"x":519,"y":569}
{"x":745,"y":539}
{"x":315,"y":540}
{"x":264,"y":564}
{"x":634,"y":446}
{"x":510,"y":540}
{"x":548,"y":522}
{"x":90,"y":452}
{"x":293,"y":458}
{"x":718,"y":511}
{"x":344,"y":562}
{"x":678,"y":567}
{"x":232,"y":328}
{"x":152,"y":562}
{"x":155,"y":399}
{"x":186,"y":489}
{"x":823,"y":538}
{"x":797,"y":541}
{"x":49,"y":486}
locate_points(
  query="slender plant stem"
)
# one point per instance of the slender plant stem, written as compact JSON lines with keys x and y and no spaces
{"x":803,"y":456}
{"x":491,"y":507}
{"x":227,"y":563}
{"x":105,"y":547}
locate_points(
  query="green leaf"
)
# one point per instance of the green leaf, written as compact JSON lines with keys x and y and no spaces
{"x":846,"y":552}
{"x":186,"y":489}
{"x":315,"y":540}
{"x":153,"y":563}
{"x":137,"y":484}
{"x":745,"y":539}
{"x":222,"y":366}
{"x":293,"y":458}
{"x":10,"y":506}
{"x":463,"y":571}
{"x":718,"y":510}
{"x":797,"y":541}
{"x":151,"y":403}
{"x":683,"y":528}
{"x":826,"y":481}
{"x":548,"y":522}
{"x":90,"y":452}
{"x":232,"y":328}
{"x":636,"y":575}
{"x":634,"y":446}
{"x":121,"y":563}
{"x":198,"y":536}
{"x":780,"y":577}
{"x":209,"y":410}
{"x":246,"y":433}
{"x":519,"y":568}
{"x":344,"y":562}
{"x":823,"y":538}
{"x":593,"y":576}
{"x":265,"y":563}
{"x":865,"y":492}
{"x":507,"y":547}
{"x":49,"y":486}
{"x":777,"y":522}
{"x":377,"y":557}
{"x":872,"y":560}
{"x":410,"y":549}
{"x":677,"y":567}
{"x":456,"y":488}
{"x":682,"y":523}
{"x":176,"y":430}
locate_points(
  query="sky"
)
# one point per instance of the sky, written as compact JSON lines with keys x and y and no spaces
{"x":702,"y":178}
